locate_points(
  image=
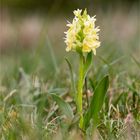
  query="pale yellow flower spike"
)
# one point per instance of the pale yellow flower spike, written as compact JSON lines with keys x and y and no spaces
{"x":82,"y":34}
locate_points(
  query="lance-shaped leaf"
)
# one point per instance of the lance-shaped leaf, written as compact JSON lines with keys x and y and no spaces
{"x":72,"y":78}
{"x":96,"y":103}
{"x":64,"y":106}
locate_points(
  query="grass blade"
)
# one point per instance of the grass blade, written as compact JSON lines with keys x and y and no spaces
{"x":104,"y":70}
{"x":53,"y":57}
{"x":136,"y":61}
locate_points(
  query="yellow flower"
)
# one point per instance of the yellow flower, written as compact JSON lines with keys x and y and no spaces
{"x":82,"y":34}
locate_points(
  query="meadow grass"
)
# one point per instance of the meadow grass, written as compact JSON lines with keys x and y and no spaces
{"x":29,"y":78}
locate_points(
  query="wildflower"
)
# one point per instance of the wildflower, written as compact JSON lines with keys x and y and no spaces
{"x":82,"y":37}
{"x":82,"y":34}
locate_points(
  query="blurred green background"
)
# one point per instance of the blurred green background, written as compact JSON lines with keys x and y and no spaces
{"x":32,"y":32}
{"x":35,"y":29}
{"x":64,"y":5}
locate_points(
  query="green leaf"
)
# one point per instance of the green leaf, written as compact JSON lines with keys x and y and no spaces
{"x":64,"y":106}
{"x":72,"y":78}
{"x":88,"y":62}
{"x":96,"y":103}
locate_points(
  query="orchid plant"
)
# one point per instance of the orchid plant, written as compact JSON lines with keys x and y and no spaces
{"x":82,"y":37}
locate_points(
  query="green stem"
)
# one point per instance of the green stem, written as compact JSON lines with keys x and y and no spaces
{"x":80,"y":90}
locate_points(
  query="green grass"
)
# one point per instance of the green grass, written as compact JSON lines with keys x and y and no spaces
{"x":32,"y":82}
